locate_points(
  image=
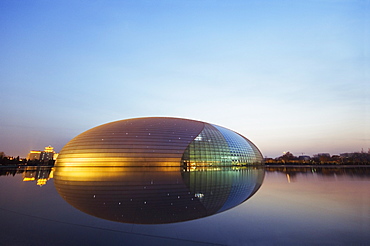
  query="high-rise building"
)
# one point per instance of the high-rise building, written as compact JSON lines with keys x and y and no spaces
{"x":46,"y":155}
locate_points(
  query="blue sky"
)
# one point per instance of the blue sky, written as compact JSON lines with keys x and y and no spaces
{"x":288,"y":75}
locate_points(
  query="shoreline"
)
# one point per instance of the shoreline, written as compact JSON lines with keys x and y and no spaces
{"x":316,"y":166}
{"x":266,"y":165}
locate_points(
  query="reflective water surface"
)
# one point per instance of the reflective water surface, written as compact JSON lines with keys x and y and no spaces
{"x":156,"y":206}
{"x":155,"y":195}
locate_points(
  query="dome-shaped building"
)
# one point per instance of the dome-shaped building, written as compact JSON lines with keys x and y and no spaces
{"x":159,"y":141}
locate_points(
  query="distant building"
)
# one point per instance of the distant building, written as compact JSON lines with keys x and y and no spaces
{"x":34,"y":155}
{"x":346,"y":155}
{"x":323,"y":157}
{"x":46,"y":155}
{"x":304,"y":158}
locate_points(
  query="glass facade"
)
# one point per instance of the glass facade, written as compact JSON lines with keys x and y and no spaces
{"x":159,"y":141}
{"x":218,"y":146}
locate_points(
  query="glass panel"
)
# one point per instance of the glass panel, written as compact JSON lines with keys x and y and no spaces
{"x":218,"y":146}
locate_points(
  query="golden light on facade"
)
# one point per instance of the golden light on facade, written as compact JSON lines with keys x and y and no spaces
{"x":49,"y":149}
{"x":47,"y":154}
{"x":35,"y":151}
{"x":157,"y":170}
{"x":159,"y":141}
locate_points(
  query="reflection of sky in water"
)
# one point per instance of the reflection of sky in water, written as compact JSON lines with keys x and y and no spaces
{"x":155,"y":195}
{"x":312,"y":208}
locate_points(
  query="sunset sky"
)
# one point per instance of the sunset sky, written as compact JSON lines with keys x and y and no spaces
{"x":289,"y":75}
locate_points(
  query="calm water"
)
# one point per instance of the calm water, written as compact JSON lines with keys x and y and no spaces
{"x":122,"y":206}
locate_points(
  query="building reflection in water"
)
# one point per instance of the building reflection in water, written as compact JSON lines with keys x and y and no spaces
{"x":39,"y":174}
{"x":156,"y":195}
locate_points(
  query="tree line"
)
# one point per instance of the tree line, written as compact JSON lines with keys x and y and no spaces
{"x":357,"y":158}
{"x":17,"y":161}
